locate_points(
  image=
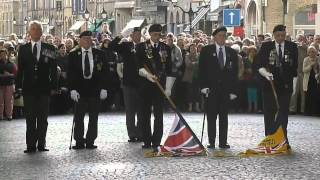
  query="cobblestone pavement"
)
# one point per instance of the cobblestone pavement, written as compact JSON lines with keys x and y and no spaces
{"x":115,"y":158}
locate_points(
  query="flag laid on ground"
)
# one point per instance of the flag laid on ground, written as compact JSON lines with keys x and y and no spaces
{"x":273,"y":144}
{"x":180,"y":142}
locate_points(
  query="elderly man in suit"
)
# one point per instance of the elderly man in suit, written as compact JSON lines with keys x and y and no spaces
{"x":87,"y":78}
{"x":218,"y":76}
{"x":156,"y":56}
{"x":36,"y":79}
{"x":278,"y":63}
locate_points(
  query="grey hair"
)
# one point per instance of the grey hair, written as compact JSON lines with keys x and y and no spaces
{"x":37,"y":23}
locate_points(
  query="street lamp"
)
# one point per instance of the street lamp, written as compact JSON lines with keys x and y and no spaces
{"x":190,"y":12}
{"x":25,"y":20}
{"x":284,"y":2}
{"x":14,"y":21}
{"x":87,"y":17}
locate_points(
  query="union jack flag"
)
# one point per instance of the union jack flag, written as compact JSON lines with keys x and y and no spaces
{"x":180,"y":141}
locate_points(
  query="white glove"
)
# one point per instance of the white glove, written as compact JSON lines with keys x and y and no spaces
{"x":120,"y":70}
{"x":266,"y":74}
{"x":205,"y":91}
{"x":75,"y":96}
{"x":169,"y":83}
{"x":103,"y":94}
{"x":144,"y":73}
{"x":232,"y":96}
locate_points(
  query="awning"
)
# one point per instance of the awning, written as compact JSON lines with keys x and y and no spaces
{"x":77,"y":25}
{"x":126,"y":4}
{"x":133,"y":23}
{"x":99,"y":22}
{"x":199,"y":16}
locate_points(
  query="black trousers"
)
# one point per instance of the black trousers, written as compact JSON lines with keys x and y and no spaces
{"x":92,"y":105}
{"x":131,"y":98}
{"x":151,"y":96}
{"x":36,"y":112}
{"x":271,"y":122}
{"x":218,"y":104}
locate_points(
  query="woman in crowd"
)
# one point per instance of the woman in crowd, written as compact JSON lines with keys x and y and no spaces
{"x":7,"y":74}
{"x":311,"y":81}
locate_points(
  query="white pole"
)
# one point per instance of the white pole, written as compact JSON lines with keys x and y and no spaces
{"x":318,"y":18}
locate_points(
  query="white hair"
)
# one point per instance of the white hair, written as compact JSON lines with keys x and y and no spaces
{"x":236,"y":47}
{"x":36,"y":23}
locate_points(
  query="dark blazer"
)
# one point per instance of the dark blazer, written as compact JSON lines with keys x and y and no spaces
{"x":76,"y":81}
{"x":127,"y":51}
{"x":212,"y":76}
{"x":283,"y":75}
{"x":147,"y":55}
{"x":37,"y":77}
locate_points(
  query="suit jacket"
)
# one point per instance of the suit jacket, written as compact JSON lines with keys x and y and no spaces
{"x":284,"y":74}
{"x":212,"y":76}
{"x":127,"y":51}
{"x":37,"y":77}
{"x":76,"y":81}
{"x":151,"y":57}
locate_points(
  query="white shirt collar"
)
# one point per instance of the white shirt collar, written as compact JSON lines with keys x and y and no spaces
{"x":38,"y":43}
{"x":89,"y":50}
{"x":277,"y":44}
{"x":220,"y":46}
{"x":152,"y":43}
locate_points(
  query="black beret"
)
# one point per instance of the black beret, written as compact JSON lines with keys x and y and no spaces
{"x":85,"y":33}
{"x":219,"y":29}
{"x":155,"y":28}
{"x":279,"y":27}
{"x":136,"y":29}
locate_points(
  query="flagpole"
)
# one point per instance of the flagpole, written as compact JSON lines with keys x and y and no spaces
{"x":173,"y":106}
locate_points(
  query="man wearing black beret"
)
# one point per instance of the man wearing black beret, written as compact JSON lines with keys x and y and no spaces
{"x":130,"y":79}
{"x":218,"y":70}
{"x":156,"y":56}
{"x":87,"y":80}
{"x":278,"y":63}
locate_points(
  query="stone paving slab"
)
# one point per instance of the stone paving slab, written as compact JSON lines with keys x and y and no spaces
{"x":115,"y":158}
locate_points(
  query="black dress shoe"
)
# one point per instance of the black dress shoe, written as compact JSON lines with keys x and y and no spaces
{"x":78,"y":146}
{"x":224,"y":146}
{"x":91,"y":146}
{"x":146,"y":146}
{"x":210,"y":146}
{"x":132,"y":140}
{"x":42,"y":149}
{"x":30,"y":150}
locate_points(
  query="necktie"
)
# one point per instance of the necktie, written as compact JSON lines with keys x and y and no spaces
{"x":220,"y":58}
{"x":155,"y":45}
{"x":280,"y":52}
{"x":35,"y":50}
{"x":86,"y":64}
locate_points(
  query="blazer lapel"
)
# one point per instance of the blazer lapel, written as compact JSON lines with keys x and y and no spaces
{"x":29,"y":50}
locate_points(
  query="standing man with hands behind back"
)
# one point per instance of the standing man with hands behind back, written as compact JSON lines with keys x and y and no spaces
{"x":218,"y":75}
{"x":36,"y":80}
{"x":87,"y":79}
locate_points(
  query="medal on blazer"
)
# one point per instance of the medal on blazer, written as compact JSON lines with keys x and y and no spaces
{"x":148,"y":51}
{"x":272,"y":56}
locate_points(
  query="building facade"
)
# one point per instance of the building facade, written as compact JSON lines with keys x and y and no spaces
{"x":9,"y":16}
{"x":300,"y":16}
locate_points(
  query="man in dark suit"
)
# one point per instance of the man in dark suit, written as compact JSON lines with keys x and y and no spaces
{"x":218,"y":70}
{"x":130,"y":78}
{"x":278,"y":62}
{"x":156,"y":56}
{"x":36,"y":79}
{"x":87,"y":78}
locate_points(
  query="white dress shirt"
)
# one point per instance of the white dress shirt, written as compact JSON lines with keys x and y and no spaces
{"x":38,"y":48}
{"x":224,"y":52}
{"x":153,"y":44}
{"x":282,"y":48}
{"x":90,"y":55}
